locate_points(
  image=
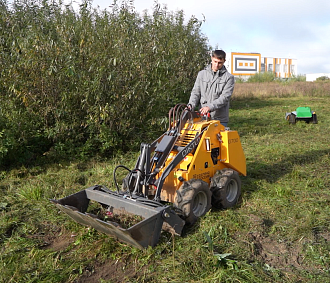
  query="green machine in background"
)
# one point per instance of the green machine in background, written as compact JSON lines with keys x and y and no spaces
{"x":301,"y":113}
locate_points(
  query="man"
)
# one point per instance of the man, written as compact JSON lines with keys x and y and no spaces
{"x":213,"y":88}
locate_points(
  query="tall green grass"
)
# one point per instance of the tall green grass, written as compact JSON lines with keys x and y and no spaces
{"x":279,"y":232}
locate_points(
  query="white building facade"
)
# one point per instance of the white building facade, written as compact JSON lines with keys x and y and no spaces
{"x":313,"y":77}
{"x":245,"y":65}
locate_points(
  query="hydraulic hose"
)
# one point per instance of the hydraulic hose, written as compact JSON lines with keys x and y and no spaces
{"x":129,"y":176}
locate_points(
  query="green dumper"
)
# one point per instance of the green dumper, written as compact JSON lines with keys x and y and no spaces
{"x":302,"y":113}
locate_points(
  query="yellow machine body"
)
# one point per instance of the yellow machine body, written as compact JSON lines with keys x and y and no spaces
{"x":199,"y":164}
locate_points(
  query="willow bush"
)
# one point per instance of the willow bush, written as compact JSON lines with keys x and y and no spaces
{"x":91,"y":81}
{"x":262,"y":77}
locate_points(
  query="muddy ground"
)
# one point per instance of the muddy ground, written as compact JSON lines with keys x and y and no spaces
{"x":286,"y":257}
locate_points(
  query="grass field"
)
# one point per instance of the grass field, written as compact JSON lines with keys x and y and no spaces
{"x":279,"y":232}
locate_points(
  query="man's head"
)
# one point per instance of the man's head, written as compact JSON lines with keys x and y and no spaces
{"x":218,"y":59}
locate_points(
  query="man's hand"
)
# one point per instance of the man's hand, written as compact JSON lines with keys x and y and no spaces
{"x":204,"y":110}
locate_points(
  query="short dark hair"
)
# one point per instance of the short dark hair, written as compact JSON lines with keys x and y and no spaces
{"x":219,"y":54}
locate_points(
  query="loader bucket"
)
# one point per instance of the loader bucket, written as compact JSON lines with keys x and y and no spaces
{"x":141,"y":235}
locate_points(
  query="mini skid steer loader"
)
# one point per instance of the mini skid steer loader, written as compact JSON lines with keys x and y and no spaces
{"x":193,"y":166}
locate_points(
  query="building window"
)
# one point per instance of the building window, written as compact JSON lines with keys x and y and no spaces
{"x":270,"y":67}
{"x":285,"y":68}
{"x":262,"y":68}
{"x":292,"y":70}
{"x":277,"y":68}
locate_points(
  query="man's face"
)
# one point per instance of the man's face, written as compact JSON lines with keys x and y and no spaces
{"x":217,"y":63}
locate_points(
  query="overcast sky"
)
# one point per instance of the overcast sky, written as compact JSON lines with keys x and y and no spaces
{"x":297,"y":29}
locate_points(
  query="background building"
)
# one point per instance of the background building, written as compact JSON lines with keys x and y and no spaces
{"x":245,"y":65}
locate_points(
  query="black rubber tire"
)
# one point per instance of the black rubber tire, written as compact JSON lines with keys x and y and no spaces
{"x":193,"y":198}
{"x":314,"y":118}
{"x":225,"y":188}
{"x":292,"y":119}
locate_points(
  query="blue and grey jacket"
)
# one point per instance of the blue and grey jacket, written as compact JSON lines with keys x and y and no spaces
{"x":213,"y":90}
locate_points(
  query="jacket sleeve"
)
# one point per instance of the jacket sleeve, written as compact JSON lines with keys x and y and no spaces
{"x":195,"y":95}
{"x":224,"y":96}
